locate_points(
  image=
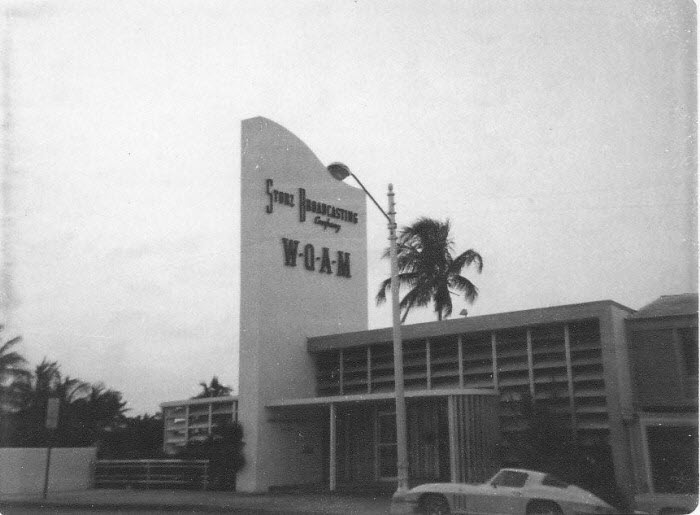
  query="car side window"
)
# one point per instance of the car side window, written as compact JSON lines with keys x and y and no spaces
{"x":510,"y":478}
{"x":550,"y":480}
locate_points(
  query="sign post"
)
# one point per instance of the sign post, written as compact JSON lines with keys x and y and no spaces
{"x":52,"y":409}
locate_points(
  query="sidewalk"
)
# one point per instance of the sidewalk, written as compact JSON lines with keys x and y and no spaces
{"x":126,"y":500}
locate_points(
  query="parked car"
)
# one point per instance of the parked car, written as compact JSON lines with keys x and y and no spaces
{"x":509,"y":492}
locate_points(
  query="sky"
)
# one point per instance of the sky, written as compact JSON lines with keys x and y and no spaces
{"x":556,"y":135}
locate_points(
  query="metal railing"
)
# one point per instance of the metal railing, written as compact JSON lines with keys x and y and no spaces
{"x":185,"y":474}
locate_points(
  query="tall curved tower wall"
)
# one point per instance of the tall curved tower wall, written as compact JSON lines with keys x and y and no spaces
{"x":303,"y":273}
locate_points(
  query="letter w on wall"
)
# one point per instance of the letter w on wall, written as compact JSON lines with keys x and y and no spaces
{"x":290,"y":251}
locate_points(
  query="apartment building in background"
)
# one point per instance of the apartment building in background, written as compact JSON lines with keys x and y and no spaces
{"x":192,"y":420}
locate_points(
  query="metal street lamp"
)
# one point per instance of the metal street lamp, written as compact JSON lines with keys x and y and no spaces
{"x":341,"y":172}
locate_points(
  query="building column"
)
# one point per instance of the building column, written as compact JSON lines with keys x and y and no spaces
{"x":369,"y":369}
{"x":427,"y":364}
{"x":333,"y":439}
{"x":460,"y":360}
{"x":187,"y":424}
{"x":570,"y":378}
{"x":530,"y":364}
{"x":341,"y":372}
{"x":452,"y":435}
{"x":211,"y":408}
{"x":494,"y":360}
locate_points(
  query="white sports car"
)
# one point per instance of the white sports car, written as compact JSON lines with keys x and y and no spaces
{"x":509,"y":492}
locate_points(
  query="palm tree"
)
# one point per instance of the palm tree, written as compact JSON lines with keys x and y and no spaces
{"x":47,"y":377}
{"x":86,"y":419}
{"x":71,"y":389}
{"x":213,"y":389}
{"x":14,"y":379}
{"x":47,"y":382}
{"x":102,"y":407}
{"x":427,"y":266}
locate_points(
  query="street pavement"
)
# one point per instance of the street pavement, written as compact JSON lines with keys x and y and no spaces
{"x":183,"y":501}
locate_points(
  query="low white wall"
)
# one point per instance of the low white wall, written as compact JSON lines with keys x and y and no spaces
{"x":22,"y":469}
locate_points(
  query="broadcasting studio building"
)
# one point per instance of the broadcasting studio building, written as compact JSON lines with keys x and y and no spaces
{"x":316,"y":386}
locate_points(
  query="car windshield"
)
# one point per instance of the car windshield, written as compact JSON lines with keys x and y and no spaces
{"x":511,"y":478}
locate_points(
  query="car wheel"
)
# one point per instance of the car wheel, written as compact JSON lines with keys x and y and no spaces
{"x":434,"y":505}
{"x":543,"y":508}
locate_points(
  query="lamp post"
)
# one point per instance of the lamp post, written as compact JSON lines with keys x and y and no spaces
{"x":340,"y":172}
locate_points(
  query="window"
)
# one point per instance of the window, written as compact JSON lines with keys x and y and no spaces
{"x":550,"y":480}
{"x":510,"y":478}
{"x":689,"y":346}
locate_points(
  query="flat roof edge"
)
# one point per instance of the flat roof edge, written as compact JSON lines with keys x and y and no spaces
{"x":493,"y":321}
{"x":203,"y":400}
{"x":655,"y":316}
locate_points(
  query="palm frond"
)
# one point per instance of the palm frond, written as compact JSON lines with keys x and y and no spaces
{"x":466,"y":258}
{"x":464,"y":285}
{"x":418,"y":296}
{"x":383,"y":287}
{"x":10,"y":359}
{"x":10,"y":343}
{"x":405,"y":279}
{"x":72,"y":388}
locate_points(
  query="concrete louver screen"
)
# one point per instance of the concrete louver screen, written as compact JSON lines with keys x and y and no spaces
{"x":473,"y":423}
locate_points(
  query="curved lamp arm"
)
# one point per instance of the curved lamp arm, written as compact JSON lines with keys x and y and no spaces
{"x":341,"y":172}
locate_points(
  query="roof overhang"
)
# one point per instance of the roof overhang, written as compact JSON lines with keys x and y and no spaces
{"x":498,"y":321}
{"x":377,"y":397}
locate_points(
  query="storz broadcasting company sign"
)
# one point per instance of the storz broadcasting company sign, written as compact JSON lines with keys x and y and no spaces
{"x":327,"y":216}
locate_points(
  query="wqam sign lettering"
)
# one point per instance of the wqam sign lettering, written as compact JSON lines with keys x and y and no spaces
{"x":326,"y":216}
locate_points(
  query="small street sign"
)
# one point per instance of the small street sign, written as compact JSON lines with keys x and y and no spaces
{"x":52,"y":412}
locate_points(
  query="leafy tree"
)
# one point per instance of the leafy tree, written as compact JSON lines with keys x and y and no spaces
{"x":224,"y":450}
{"x":137,"y":437}
{"x":427,"y":266}
{"x":213,"y":389}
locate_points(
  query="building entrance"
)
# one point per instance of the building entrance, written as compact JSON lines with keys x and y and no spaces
{"x":366,"y":441}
